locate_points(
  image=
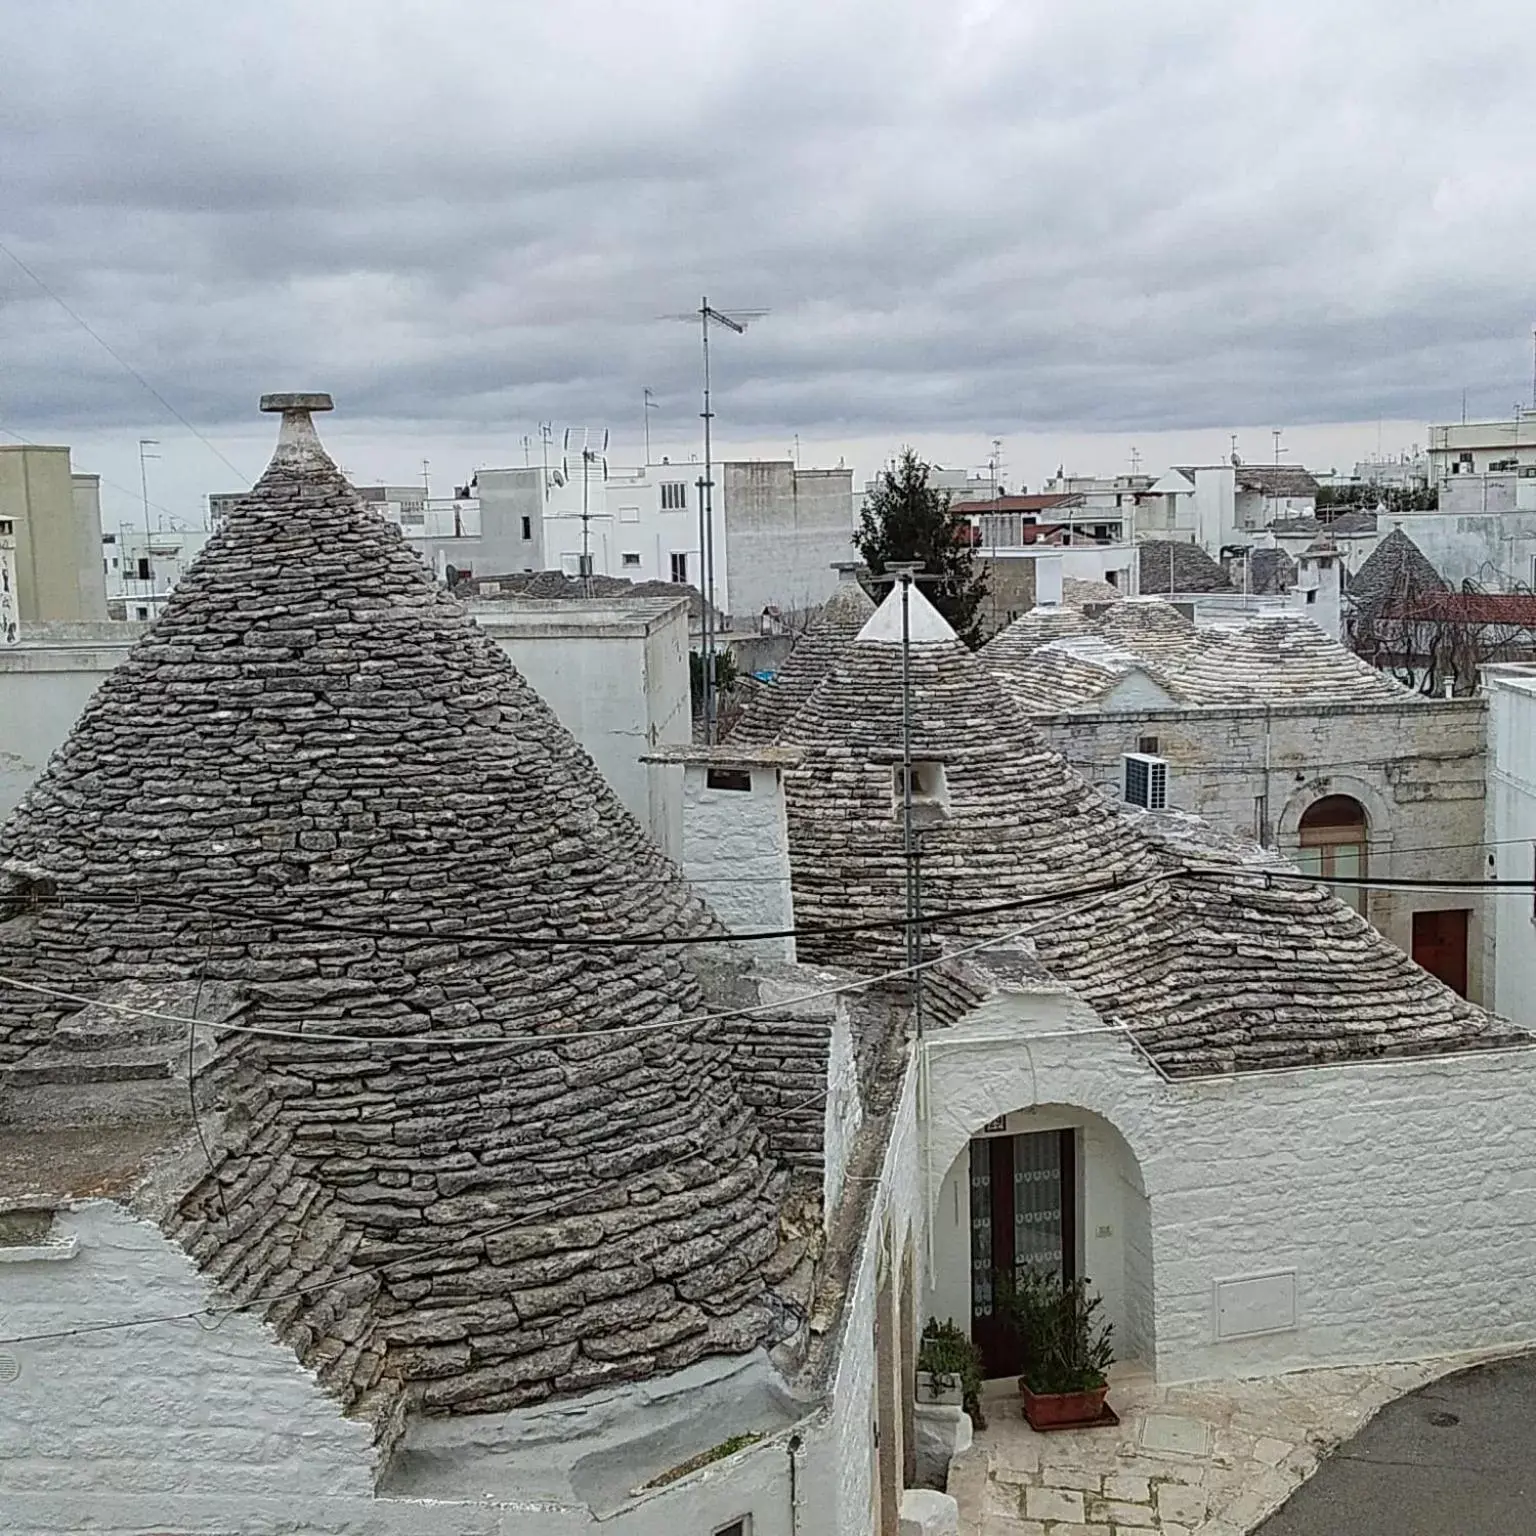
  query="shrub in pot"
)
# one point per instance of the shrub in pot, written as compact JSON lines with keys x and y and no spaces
{"x":949,"y":1359}
{"x":1066,"y":1348}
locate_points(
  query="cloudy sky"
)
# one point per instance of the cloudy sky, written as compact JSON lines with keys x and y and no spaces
{"x":1076,"y":225}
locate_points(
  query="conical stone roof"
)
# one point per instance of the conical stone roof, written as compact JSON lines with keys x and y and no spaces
{"x":834,"y":627}
{"x":1150,"y":626}
{"x":1220,"y":971}
{"x":321,"y":781}
{"x":1039,"y":626}
{"x":1396,"y":570}
{"x":1170,"y":565}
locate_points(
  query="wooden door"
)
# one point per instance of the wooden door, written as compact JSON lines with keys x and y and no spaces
{"x":1023,"y":1211}
{"x":1440,"y":945}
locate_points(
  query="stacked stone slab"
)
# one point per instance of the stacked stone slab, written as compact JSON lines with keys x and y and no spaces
{"x":1168,"y":565}
{"x":1277,"y":658}
{"x":1210,"y":964}
{"x":1039,"y":626}
{"x":1396,"y":570}
{"x":837,"y":622}
{"x":527,"y":1169}
{"x":1280,"y":658}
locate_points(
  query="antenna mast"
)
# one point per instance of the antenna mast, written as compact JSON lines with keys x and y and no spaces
{"x":737,"y":320}
{"x":650,"y":405}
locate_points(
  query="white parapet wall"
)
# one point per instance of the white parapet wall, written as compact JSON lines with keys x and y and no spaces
{"x":45,"y":682}
{"x":615,"y":672}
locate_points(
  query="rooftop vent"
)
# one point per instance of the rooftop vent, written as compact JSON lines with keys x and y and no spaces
{"x":1146,"y":780}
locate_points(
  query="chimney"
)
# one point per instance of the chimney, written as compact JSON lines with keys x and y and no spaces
{"x":298,"y":444}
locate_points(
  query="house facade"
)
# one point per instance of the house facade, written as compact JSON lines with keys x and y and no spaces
{"x":1274,"y":732}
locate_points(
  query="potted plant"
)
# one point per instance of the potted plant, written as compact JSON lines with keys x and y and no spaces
{"x":949,"y":1369}
{"x":1067,"y":1350}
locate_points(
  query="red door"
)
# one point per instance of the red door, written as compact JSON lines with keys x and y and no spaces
{"x":1440,"y":945}
{"x":1023,"y":1211}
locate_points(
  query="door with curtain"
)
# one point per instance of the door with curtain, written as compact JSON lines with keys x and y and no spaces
{"x":1023,"y":1212}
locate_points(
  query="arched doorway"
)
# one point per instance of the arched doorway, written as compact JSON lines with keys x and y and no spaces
{"x":1051,"y":1185}
{"x":1335,"y":841}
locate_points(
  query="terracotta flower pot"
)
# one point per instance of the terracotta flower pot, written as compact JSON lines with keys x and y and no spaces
{"x":1055,"y":1410}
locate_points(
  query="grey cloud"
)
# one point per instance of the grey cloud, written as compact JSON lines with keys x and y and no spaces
{"x":963,"y":217}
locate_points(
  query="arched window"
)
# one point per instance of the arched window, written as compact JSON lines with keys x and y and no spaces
{"x":1334,"y":845}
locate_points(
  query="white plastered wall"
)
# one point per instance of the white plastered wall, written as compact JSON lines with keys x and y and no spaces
{"x":1400,"y":1194}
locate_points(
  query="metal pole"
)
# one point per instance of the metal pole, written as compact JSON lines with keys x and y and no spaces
{"x":707,"y":547}
{"x":905,"y":572}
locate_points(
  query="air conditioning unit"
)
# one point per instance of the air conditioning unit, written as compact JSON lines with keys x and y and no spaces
{"x":1145,"y":780}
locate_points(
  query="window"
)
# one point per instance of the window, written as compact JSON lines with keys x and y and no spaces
{"x":144,"y":571}
{"x":629,"y":514}
{"x":141,"y":613}
{"x":1334,"y":846}
{"x":930,"y":792}
{"x":106,"y":538}
{"x":7,"y":527}
{"x":527,"y":529}
{"x":629,"y":560}
{"x":679,"y":567}
{"x":741,"y":1527}
{"x":1311,"y":594}
{"x":728,"y":778}
{"x":1112,"y":577}
{"x":1147,"y":745}
{"x":674,"y":495}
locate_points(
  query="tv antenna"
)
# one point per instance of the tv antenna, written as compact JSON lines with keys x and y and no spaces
{"x":736,"y":320}
{"x":591,"y":456}
{"x":650,"y":405}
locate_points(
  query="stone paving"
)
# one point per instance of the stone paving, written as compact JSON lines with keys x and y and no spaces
{"x":1209,"y":1459}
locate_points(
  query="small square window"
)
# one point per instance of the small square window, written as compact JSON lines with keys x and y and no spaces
{"x":674,"y":496}
{"x":629,"y":560}
{"x":527,"y":529}
{"x":1147,"y":745}
{"x":930,"y":792}
{"x":728,"y":778}
{"x":741,"y":1527}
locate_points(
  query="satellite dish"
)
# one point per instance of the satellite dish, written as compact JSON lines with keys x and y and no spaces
{"x":556,"y":476}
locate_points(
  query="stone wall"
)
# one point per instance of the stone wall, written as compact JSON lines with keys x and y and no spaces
{"x":1418,"y":768}
{"x":1397,"y":1193}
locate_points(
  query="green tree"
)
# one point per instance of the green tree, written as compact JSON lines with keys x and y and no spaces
{"x":905,"y":518}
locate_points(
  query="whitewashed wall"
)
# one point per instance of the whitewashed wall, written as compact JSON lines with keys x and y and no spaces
{"x":43,"y":688}
{"x":207,"y":1431}
{"x":735,"y":849}
{"x":616,"y":675}
{"x":1400,"y":1193}
{"x":837,"y":1486}
{"x":1512,"y":838}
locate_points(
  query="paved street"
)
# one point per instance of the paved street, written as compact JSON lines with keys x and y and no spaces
{"x":1456,"y":1458}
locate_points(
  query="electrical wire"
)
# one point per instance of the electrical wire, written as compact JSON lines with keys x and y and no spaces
{"x":123,"y":362}
{"x":219,"y":1313}
{"x":547,"y":1037}
{"x":139,"y":900}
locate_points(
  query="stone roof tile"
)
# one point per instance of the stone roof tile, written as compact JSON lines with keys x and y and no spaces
{"x":1396,"y":571}
{"x":1224,"y":972}
{"x":836,"y":624}
{"x":1168,"y":565}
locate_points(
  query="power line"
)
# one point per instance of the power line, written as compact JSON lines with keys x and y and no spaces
{"x":137,"y":901}
{"x":118,"y":358}
{"x":122,"y":490}
{"x":477,"y":1237}
{"x":550,"y":1036}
